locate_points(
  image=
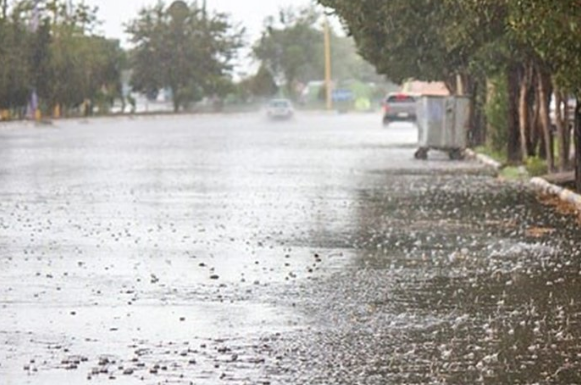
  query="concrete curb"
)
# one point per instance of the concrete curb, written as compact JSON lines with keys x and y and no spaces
{"x":562,"y":193}
{"x":486,"y":160}
{"x":539,"y":184}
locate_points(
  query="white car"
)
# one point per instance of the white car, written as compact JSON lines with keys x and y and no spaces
{"x":280,"y":109}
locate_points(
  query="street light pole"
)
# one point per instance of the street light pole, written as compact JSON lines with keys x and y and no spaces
{"x":328,"y":65}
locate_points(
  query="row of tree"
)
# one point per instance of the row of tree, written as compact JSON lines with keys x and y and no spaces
{"x":47,"y":49}
{"x":528,"y":50}
{"x":50,"y":52}
{"x":51,"y":49}
{"x":291,"y":50}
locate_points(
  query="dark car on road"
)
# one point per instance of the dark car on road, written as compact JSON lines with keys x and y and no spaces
{"x":399,"y":107}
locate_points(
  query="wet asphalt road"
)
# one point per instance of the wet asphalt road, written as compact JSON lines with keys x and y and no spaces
{"x":231,"y":250}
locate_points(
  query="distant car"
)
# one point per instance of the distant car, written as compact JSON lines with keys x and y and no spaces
{"x":399,"y":107}
{"x":280,"y":109}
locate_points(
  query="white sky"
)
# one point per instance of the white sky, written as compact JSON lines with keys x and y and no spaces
{"x":250,"y":13}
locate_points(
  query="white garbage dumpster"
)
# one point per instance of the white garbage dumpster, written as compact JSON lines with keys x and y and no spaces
{"x":443,"y":123}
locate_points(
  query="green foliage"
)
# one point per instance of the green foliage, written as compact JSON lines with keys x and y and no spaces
{"x":496,"y":111}
{"x":61,"y":58}
{"x":499,"y":156}
{"x":183,"y":48}
{"x":263,"y":84}
{"x":90,"y":64}
{"x":292,"y":49}
{"x":535,"y":42}
{"x":536,"y":166}
{"x":400,"y":37}
{"x":514,"y":173}
{"x":551,"y":29}
{"x":15,"y":66}
{"x":347,"y":64}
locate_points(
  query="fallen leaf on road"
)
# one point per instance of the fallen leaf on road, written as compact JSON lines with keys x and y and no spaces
{"x":539,"y":232}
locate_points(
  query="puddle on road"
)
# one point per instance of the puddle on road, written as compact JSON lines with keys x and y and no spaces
{"x":200,"y":342}
{"x":314,"y":254}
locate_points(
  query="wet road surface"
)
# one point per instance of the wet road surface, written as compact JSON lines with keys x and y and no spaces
{"x":210,"y":250}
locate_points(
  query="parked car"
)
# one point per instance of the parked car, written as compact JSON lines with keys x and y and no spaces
{"x":280,"y":109}
{"x":399,"y":107}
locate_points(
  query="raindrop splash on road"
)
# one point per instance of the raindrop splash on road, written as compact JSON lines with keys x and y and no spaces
{"x":317,"y":251}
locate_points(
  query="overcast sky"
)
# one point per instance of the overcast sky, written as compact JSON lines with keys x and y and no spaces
{"x":251,"y":13}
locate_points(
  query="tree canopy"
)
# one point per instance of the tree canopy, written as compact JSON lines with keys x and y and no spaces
{"x":49,"y":47}
{"x":533,"y":43}
{"x":183,"y":48}
{"x":291,"y":48}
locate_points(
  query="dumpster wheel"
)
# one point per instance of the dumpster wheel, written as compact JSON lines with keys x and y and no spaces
{"x":456,"y":154}
{"x":421,"y":154}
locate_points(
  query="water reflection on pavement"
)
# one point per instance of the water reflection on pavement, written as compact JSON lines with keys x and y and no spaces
{"x":228,"y":249}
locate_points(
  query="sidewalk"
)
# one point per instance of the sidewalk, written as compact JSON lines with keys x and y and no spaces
{"x":541,"y":185}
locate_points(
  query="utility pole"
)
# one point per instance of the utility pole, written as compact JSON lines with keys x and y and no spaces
{"x":328,"y":85}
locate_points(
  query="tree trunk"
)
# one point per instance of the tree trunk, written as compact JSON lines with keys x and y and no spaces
{"x":478,"y":125}
{"x":560,"y":125}
{"x":536,"y":131}
{"x":451,"y":83}
{"x":175,"y":99}
{"x":467,"y":86}
{"x":545,"y":120}
{"x":577,"y":138}
{"x":514,"y":155}
{"x":460,"y":85}
{"x":568,"y":128}
{"x":490,"y":92}
{"x":523,"y":111}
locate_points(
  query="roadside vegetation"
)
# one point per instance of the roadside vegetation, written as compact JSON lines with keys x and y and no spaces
{"x":512,"y":58}
{"x":54,"y":61}
{"x":518,"y":61}
{"x":51,"y":52}
{"x":184,"y":49}
{"x":291,"y":50}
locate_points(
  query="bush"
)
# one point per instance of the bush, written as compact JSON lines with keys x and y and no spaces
{"x":537,"y":166}
{"x":496,"y":155}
